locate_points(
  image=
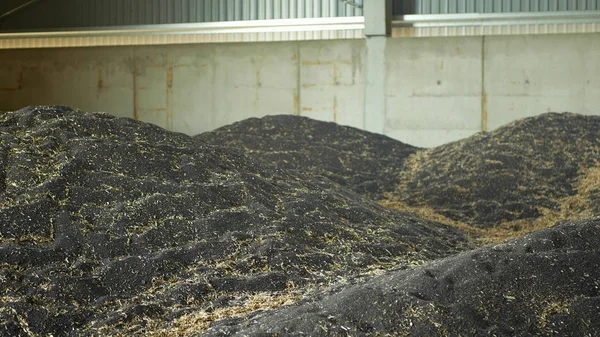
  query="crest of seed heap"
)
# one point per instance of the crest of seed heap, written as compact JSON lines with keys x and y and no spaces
{"x":109,"y":225}
{"x":520,"y":171}
{"x":364,"y":162}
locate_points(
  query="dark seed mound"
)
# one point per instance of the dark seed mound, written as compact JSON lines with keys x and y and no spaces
{"x":112,"y":226}
{"x":364,"y":162}
{"x":544,"y":284}
{"x":516,"y":172}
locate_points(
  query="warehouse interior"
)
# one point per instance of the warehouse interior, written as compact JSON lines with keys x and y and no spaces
{"x":436,"y":71}
{"x":299,"y":168}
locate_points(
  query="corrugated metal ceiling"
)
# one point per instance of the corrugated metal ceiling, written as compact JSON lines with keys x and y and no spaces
{"x":100,"y":13}
{"x":402,"y":7}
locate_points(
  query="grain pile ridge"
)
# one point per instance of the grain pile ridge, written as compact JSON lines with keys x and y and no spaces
{"x":364,"y":162}
{"x":521,"y":171}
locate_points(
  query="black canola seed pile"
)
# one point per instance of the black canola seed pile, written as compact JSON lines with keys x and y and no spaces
{"x":539,"y":171}
{"x":546,"y":283}
{"x":112,"y":226}
{"x":525,"y":176}
{"x":520,"y":171}
{"x":367,"y":163}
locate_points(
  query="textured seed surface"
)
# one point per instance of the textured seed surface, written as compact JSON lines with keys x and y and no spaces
{"x":109,"y":226}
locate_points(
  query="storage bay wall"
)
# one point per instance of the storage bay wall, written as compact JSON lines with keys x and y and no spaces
{"x":437,"y":89}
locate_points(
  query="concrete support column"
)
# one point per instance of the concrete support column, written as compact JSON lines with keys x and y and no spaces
{"x":375,"y":102}
{"x":378,"y":23}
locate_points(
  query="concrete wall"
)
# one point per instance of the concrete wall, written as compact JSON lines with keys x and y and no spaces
{"x":526,"y":76}
{"x":437,"y":89}
{"x":444,"y":89}
{"x":193,"y":88}
{"x":434,"y":89}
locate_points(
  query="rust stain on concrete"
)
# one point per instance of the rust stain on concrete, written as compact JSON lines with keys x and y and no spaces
{"x":170,"y":98}
{"x":317,"y":63}
{"x":100,"y":84}
{"x":484,"y":112}
{"x":20,"y":80}
{"x":19,"y":84}
{"x":154,"y":65}
{"x":296,"y":105}
{"x":135,"y":96}
{"x":336,"y":75}
{"x":170,"y":77}
{"x":335,"y":109}
{"x":307,"y":109}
